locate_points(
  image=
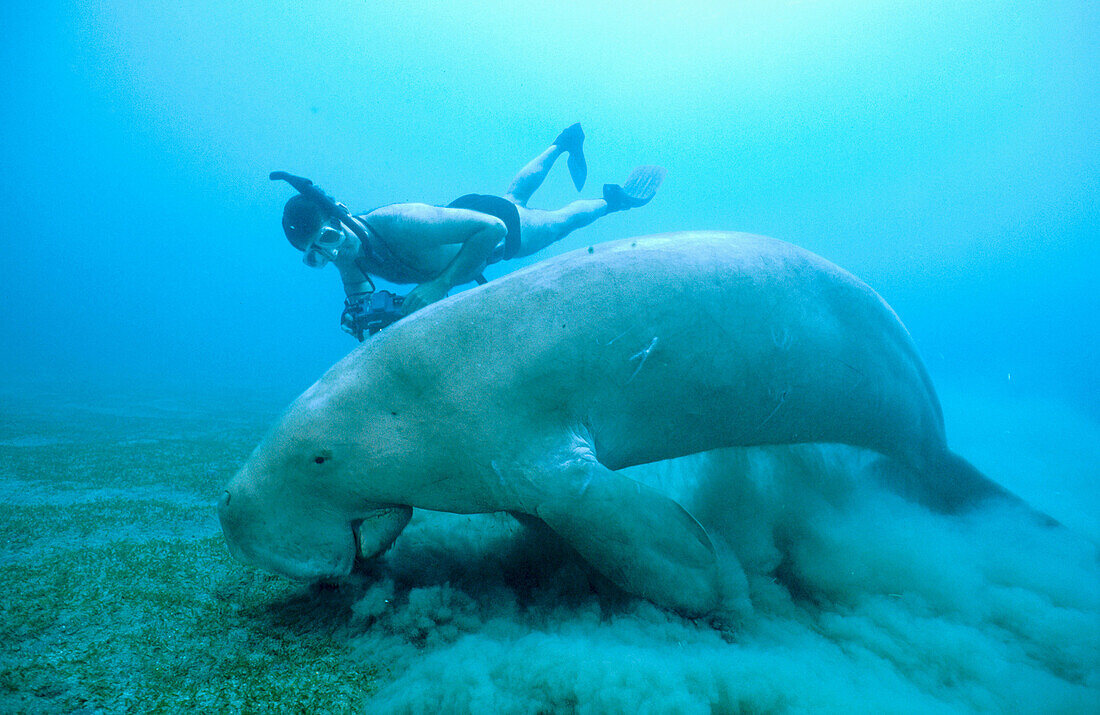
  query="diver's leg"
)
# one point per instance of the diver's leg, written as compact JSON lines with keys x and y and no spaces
{"x":530,"y":177}
{"x":540,"y":228}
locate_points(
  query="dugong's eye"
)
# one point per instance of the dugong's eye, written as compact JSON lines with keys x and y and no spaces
{"x":318,"y":460}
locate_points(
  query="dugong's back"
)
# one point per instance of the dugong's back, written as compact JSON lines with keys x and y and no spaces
{"x":667,"y":345}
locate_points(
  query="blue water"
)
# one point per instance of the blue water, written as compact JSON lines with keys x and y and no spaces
{"x":947,"y":153}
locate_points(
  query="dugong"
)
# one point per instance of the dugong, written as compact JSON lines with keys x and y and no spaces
{"x":527,"y":394}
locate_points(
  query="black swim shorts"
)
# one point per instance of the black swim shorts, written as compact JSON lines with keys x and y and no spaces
{"x":503,"y":209}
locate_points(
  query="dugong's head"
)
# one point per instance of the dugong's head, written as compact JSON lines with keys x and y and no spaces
{"x":313,"y":494}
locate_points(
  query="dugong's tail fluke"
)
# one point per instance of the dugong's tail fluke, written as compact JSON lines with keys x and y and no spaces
{"x":950,"y":485}
{"x":958,"y":486}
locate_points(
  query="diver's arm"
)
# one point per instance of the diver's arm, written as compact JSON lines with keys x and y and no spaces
{"x":472,"y":257}
{"x":425,"y":228}
{"x":465,"y":267}
{"x":354,"y":279}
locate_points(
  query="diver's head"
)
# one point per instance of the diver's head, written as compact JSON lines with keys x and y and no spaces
{"x":311,"y":231}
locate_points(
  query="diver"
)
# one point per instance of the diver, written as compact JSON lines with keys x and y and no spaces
{"x":438,"y":248}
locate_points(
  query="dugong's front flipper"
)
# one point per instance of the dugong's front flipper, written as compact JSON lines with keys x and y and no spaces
{"x":643,"y":541}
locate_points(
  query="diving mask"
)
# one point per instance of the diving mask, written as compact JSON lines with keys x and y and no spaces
{"x":324,"y":248}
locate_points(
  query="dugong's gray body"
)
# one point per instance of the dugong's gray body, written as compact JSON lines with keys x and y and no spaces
{"x":526,"y":394}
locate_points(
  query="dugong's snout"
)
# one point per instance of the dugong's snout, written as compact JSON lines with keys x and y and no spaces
{"x":300,"y":546}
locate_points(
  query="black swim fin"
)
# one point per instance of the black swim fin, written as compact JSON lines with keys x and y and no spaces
{"x":571,"y":141}
{"x":636,"y":191}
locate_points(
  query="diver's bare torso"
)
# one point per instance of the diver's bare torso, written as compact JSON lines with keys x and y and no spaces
{"x":402,"y":251}
{"x":411,"y":243}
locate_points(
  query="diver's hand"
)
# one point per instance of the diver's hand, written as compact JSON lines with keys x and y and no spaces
{"x":424,"y":294}
{"x":347,"y":323}
{"x":354,"y":306}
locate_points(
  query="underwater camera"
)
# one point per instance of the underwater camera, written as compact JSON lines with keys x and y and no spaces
{"x":367,"y":313}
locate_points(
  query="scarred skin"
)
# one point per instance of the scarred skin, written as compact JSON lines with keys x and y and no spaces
{"x":524,"y":395}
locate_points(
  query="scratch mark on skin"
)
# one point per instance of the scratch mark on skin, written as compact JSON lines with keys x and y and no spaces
{"x":644,"y":355}
{"x":609,"y":342}
{"x":858,"y":372}
{"x":782,"y":399}
{"x":781,"y":337}
{"x":440,"y":480}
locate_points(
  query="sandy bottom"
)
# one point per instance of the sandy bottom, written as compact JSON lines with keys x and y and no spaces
{"x":120,"y":595}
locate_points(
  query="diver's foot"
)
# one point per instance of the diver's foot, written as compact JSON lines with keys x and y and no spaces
{"x":571,"y":141}
{"x":636,"y":191}
{"x":571,"y":138}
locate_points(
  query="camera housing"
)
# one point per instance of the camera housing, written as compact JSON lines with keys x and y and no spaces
{"x":367,"y":313}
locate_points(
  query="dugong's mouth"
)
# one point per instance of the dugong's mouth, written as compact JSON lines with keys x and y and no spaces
{"x":316,"y":567}
{"x":296,"y":548}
